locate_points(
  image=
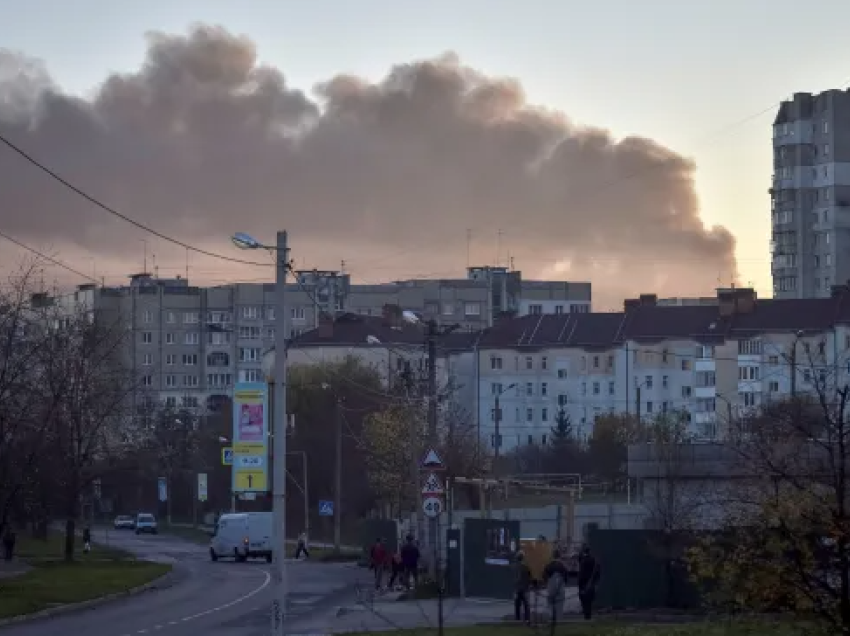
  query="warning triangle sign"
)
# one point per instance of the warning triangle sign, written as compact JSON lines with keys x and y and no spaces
{"x":432,"y":461}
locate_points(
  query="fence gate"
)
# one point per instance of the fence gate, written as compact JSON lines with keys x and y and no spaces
{"x":488,"y":548}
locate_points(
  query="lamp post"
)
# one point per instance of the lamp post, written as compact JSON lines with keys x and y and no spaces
{"x":281,"y":256}
{"x":497,"y":416}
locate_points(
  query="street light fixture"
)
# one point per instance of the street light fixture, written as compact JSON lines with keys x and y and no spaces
{"x":281,"y":253}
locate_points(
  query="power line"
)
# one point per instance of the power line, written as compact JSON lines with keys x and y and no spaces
{"x":118,"y":214}
{"x":50,"y":259}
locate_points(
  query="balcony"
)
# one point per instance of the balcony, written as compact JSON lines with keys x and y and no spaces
{"x":704,"y":364}
{"x":705,"y":391}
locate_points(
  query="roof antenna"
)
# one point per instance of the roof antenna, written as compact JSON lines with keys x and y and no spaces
{"x":145,"y":259}
{"x":468,"y":246}
{"x":342,"y":266}
{"x":187,"y":263}
{"x":498,"y":246}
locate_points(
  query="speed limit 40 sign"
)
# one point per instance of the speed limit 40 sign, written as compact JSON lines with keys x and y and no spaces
{"x":432,"y":506}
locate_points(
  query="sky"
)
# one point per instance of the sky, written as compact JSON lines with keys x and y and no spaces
{"x":701,"y":78}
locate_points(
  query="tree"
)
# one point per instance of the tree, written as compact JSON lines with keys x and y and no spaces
{"x":562,"y":432}
{"x":785,"y":540}
{"x":608,"y":446}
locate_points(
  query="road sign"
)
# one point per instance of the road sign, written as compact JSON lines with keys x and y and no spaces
{"x":250,"y":461}
{"x":162,"y":487}
{"x":202,"y":486}
{"x":251,"y":480}
{"x":432,"y":461}
{"x":432,"y":485}
{"x":432,"y":507}
{"x":326,"y":508}
{"x":227,"y":456}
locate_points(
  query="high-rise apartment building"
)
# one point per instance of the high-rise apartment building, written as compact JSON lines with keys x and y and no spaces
{"x":810,"y":195}
{"x":191,"y":344}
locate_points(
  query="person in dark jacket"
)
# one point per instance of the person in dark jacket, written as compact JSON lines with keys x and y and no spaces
{"x":555,"y":577}
{"x":410,"y":562}
{"x":522,"y":588}
{"x":9,"y":539}
{"x":588,"y":578}
{"x":86,"y":539}
{"x":378,"y":562}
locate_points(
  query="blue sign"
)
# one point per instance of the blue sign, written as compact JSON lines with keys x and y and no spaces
{"x":326,"y":509}
{"x":227,"y":456}
{"x":162,"y":486}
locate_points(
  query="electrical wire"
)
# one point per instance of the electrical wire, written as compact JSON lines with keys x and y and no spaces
{"x":47,"y":258}
{"x":116,"y":213}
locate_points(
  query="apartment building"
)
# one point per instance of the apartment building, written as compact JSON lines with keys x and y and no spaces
{"x":810,"y":194}
{"x":714,"y":362}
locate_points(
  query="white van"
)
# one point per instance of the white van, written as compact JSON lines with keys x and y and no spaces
{"x":245,"y":535}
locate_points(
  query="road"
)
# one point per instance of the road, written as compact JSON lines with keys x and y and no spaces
{"x":214,"y":599}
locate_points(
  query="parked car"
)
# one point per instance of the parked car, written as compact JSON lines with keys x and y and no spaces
{"x":124,"y":522}
{"x":146,"y":522}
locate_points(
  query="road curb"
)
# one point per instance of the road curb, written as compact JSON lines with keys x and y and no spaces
{"x":166,"y":580}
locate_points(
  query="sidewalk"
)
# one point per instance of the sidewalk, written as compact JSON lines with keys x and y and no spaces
{"x":8,"y":569}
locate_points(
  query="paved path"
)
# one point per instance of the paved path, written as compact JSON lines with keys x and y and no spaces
{"x":213,"y":599}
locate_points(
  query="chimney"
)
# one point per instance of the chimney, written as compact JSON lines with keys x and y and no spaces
{"x":631,"y":303}
{"x":648,"y":300}
{"x":733,"y":300}
{"x":326,"y":326}
{"x":837,"y":291}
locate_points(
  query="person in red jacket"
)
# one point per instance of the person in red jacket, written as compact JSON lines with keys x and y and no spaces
{"x":378,"y":562}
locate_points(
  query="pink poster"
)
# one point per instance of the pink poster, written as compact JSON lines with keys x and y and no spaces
{"x":251,"y":423}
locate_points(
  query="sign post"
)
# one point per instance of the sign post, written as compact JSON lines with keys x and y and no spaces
{"x":432,"y":486}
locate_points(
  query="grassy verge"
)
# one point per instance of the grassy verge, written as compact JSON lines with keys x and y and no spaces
{"x":53,"y":548}
{"x":53,"y":583}
{"x":600,"y":628}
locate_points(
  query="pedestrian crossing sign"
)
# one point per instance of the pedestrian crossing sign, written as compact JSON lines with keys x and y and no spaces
{"x":227,"y":456}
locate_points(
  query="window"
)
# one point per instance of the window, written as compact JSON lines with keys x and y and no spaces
{"x":219,"y":380}
{"x":686,"y":365}
{"x":218,"y":338}
{"x":190,"y":402}
{"x":472,"y":309}
{"x":171,"y":401}
{"x":249,"y":333}
{"x":169,"y":338}
{"x":559,"y":309}
{"x":171,"y":359}
{"x":705,"y":405}
{"x":611,"y":388}
{"x":170,"y":381}
{"x":647,"y":382}
{"x":826,"y":127}
{"x":529,"y":388}
{"x":649,"y":407}
{"x":495,"y":387}
{"x":448,"y":309}
{"x":773,"y":360}
{"x":705,"y":352}
{"x":251,"y":375}
{"x":294,"y":333}
{"x":706,"y":378}
{"x":595,"y":362}
{"x":748,"y":373}
{"x":298,"y":313}
{"x":147,"y":316}
{"x":773,"y":387}
{"x":596,"y":388}
{"x":147,"y":359}
{"x":269,"y":313}
{"x":544,"y":415}
{"x":826,"y":149}
{"x":749,"y":347}
{"x":494,"y":442}
{"x":529,"y":415}
{"x":190,"y":318}
{"x":562,"y":400}
{"x":529,"y":362}
{"x":584,"y":388}
{"x":544,"y":363}
{"x":269,"y":333}
{"x":249,"y":354}
{"x":169,"y":317}
{"x":147,"y":337}
{"x":535,"y":309}
{"x":190,"y":359}
{"x":191,"y":338}
{"x":686,"y":391}
{"x":562,"y":373}
{"x":219,"y":317}
{"x":495,"y":363}
{"x":665,"y":381}
{"x":544,"y":389}
{"x":748,"y":398}
{"x":190,"y":380}
{"x":250,"y":313}
{"x":147,"y":380}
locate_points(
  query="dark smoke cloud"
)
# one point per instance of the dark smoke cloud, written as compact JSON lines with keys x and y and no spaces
{"x":202,"y":140}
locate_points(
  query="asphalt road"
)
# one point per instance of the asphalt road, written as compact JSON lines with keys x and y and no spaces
{"x":214,"y":599}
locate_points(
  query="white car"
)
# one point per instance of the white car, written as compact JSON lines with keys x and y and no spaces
{"x":124,"y":522}
{"x":243,"y":536}
{"x":146,"y":522}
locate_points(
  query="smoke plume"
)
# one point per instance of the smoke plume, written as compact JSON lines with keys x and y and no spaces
{"x":202,"y":141}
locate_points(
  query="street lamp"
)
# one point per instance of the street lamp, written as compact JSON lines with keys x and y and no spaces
{"x":497,"y":414}
{"x":281,"y":252}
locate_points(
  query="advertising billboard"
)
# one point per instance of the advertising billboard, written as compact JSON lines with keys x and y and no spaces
{"x":250,"y":437}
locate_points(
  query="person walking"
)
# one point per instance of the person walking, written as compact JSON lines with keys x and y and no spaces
{"x":588,"y":579}
{"x":555,"y":577}
{"x":86,"y":539}
{"x":301,"y":546}
{"x":378,"y":562}
{"x":9,"y":539}
{"x":397,"y":571}
{"x":522,"y":588}
{"x":410,"y":561}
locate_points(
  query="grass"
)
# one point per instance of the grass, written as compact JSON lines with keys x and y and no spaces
{"x":599,"y":628}
{"x":53,"y":583}
{"x":34,"y":550}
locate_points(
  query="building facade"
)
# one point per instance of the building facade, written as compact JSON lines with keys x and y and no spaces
{"x":810,"y":195}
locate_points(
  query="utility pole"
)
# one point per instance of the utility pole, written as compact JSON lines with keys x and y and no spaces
{"x":338,"y":488}
{"x":497,"y":439}
{"x":433,"y":433}
{"x":637,"y":403}
{"x":279,"y":606}
{"x":793,"y":361}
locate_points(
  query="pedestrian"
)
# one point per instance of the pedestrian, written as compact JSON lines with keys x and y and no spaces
{"x":589,"y":573}
{"x":8,"y":542}
{"x":555,"y":577}
{"x":301,"y":546}
{"x":397,"y":569}
{"x":378,"y":562}
{"x":86,"y":539}
{"x":522,"y":588}
{"x":410,"y":556}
